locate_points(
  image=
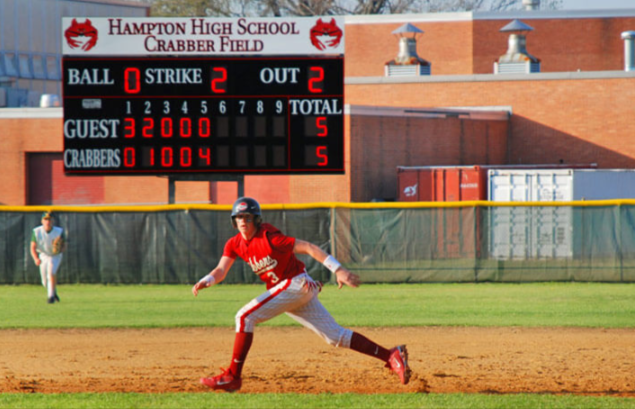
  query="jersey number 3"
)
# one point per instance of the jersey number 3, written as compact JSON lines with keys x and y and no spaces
{"x":274,"y":278}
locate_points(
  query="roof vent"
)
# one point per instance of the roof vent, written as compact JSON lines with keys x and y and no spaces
{"x":629,"y":50}
{"x":531,"y":4}
{"x":407,"y":62}
{"x":517,"y":60}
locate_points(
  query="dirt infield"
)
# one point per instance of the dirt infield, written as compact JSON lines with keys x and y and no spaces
{"x":292,"y":359}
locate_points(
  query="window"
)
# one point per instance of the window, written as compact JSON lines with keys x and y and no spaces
{"x":53,"y":68}
{"x":25,"y":66}
{"x":9,"y":65}
{"x":38,"y":67}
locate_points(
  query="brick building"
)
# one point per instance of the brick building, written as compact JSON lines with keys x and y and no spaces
{"x":577,"y":109}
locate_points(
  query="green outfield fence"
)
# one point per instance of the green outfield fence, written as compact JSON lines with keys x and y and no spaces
{"x":382,"y":242}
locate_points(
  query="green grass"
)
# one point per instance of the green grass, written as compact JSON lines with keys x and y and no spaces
{"x":540,"y":304}
{"x":221,"y":400}
{"x":143,"y":306}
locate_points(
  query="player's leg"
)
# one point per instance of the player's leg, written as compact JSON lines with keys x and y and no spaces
{"x":287,"y":295}
{"x":314,"y":316}
{"x":275,"y":301}
{"x":51,"y":287}
{"x":51,"y":280}
{"x":56,"y":261}
{"x":43,"y":273}
{"x":46,"y":267}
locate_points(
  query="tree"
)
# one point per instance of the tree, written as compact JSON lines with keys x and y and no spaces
{"x":191,"y":8}
{"x":434,"y":6}
{"x":265,"y":8}
{"x":262,"y":8}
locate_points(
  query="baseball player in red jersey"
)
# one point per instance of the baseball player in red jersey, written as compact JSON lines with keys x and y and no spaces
{"x":290,"y":290}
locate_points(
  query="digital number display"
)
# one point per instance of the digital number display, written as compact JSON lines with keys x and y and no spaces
{"x":174,"y":115}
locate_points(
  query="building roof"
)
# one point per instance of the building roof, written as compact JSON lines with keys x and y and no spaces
{"x":488,"y":15}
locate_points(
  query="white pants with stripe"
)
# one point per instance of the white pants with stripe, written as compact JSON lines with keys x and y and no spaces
{"x":49,"y":265}
{"x":297,"y":297}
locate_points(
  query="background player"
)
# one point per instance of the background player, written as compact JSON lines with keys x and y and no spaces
{"x":290,"y":290}
{"x":48,"y":242}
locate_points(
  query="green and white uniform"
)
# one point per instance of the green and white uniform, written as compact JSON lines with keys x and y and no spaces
{"x":44,"y":240}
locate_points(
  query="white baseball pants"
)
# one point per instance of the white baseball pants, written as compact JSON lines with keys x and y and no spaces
{"x":297,"y":297}
{"x":49,"y":265}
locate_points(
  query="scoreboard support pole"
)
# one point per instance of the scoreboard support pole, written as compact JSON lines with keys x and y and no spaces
{"x":240,"y":179}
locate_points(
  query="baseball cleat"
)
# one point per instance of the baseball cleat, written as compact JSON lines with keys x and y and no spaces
{"x":398,"y":363}
{"x":223,"y":382}
{"x":56,"y":297}
{"x":51,"y":300}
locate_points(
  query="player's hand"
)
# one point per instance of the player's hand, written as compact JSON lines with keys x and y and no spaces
{"x":199,"y":286}
{"x":37,"y":262}
{"x":344,"y":276}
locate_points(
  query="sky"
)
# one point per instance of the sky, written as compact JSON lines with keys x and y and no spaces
{"x":597,"y":4}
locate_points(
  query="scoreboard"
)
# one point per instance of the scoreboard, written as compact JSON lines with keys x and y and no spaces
{"x":201,"y":114}
{"x":198,"y":113}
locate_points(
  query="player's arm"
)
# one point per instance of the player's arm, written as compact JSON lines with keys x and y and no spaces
{"x":36,"y":258}
{"x":342,"y":275}
{"x":215,"y":276}
{"x":64,"y":240}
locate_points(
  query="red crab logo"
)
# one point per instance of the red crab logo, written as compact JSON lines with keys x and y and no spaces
{"x":82,"y":35}
{"x":321,"y":30}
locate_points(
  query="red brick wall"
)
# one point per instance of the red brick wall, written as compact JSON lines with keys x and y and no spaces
{"x":471,"y":47}
{"x":49,"y":185}
{"x":380,"y":144}
{"x":576,"y":121}
{"x":152,"y":190}
{"x":560,"y":44}
{"x":268,"y":189}
{"x":19,"y":136}
{"x":448,"y":46}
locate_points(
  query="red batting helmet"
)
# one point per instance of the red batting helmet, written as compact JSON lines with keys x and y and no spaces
{"x":246,"y":205}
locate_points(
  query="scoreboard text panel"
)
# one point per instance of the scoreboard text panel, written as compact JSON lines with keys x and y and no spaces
{"x":171,"y":115}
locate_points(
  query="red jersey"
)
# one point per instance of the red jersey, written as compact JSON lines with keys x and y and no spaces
{"x":269,"y":253}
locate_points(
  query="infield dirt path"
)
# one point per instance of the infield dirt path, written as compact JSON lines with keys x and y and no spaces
{"x":293,"y":359}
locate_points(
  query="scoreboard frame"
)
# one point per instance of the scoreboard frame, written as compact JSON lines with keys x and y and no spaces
{"x":199,"y":113}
